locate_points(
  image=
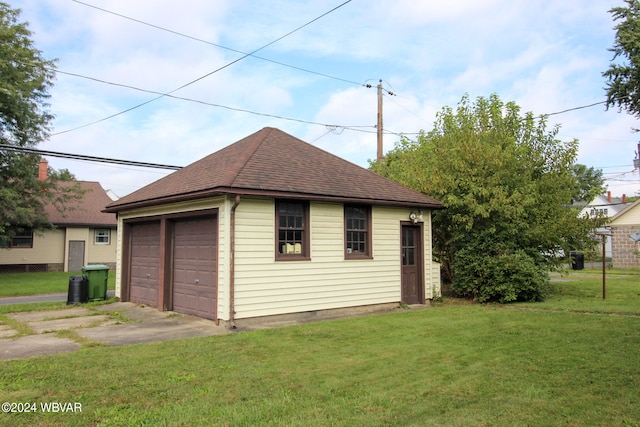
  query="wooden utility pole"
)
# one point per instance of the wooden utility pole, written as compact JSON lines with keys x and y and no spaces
{"x":379,"y":124}
{"x":380,"y":148}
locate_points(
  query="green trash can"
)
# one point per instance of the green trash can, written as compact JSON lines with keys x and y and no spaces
{"x":97,"y":276}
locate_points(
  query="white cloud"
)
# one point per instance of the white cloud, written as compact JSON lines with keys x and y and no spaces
{"x":545,"y":56}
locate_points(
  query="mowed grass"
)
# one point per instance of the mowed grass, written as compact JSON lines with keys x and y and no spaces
{"x":582,"y":291}
{"x":20,"y":284}
{"x":452,"y":365}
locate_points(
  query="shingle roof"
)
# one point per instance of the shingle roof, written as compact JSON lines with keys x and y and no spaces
{"x":273,"y":163}
{"x":88,"y":211}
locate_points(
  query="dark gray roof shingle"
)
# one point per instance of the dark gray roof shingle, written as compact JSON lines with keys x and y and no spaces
{"x":273,"y":163}
{"x":88,"y":211}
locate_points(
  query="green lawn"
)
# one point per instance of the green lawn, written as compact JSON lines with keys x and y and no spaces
{"x":19,"y":284}
{"x":550,"y":363}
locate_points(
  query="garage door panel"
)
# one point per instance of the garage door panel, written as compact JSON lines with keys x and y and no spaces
{"x":194,"y":266}
{"x":144,"y":263}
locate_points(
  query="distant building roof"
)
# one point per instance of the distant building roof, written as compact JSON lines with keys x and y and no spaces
{"x":275,"y":164}
{"x":86,"y":212}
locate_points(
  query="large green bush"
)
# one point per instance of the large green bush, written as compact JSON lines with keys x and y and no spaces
{"x":506,"y":183}
{"x":502,"y":278}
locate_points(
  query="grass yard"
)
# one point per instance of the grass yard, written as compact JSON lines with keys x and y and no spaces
{"x":573,"y":360}
{"x":19,"y":284}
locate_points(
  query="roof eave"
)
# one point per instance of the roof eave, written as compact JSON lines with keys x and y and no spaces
{"x":85,"y":224}
{"x":275,"y":194}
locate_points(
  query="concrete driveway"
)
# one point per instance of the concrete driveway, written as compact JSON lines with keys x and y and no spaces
{"x":119,"y":323}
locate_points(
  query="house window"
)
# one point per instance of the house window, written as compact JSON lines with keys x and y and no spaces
{"x":292,"y":230}
{"x":102,"y":236}
{"x":357,"y":230}
{"x":22,"y":237}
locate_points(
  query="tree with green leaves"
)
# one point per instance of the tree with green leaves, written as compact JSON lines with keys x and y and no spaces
{"x":507,"y":184}
{"x":589,"y":183}
{"x":25,"y":78}
{"x":623,"y":78}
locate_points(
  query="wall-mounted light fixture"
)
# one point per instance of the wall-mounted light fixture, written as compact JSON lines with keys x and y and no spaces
{"x":416,"y":217}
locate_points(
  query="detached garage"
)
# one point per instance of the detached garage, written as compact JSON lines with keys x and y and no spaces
{"x":272,"y":225}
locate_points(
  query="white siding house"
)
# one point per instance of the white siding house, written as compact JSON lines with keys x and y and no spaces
{"x":234,"y":237}
{"x":624,"y":225}
{"x":81,"y":235}
{"x":606,"y":206}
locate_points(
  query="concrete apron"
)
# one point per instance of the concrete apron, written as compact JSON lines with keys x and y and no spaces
{"x":101,"y":324}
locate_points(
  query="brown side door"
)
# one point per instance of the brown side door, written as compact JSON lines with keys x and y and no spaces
{"x":412,"y":264}
{"x":144,"y":263}
{"x":195,"y":278}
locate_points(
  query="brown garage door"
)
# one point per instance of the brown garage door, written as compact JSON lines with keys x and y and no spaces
{"x":195,"y":279}
{"x":145,"y":263}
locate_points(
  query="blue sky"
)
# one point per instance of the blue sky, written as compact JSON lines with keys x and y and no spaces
{"x":545,"y":55}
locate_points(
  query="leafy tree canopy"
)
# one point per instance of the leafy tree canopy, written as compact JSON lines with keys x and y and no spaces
{"x":589,"y":183}
{"x":623,"y":78}
{"x":507,"y":184}
{"x":25,"y":78}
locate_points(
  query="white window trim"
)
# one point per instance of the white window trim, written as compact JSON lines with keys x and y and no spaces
{"x":95,"y":236}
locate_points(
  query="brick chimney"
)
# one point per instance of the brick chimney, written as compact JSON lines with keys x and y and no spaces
{"x":42,"y":170}
{"x":624,"y":199}
{"x":609,"y":196}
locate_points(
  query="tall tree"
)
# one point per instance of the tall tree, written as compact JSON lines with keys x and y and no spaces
{"x":623,"y":78}
{"x":589,"y":183}
{"x":25,"y":78}
{"x":506,"y":183}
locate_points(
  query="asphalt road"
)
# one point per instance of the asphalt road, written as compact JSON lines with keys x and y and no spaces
{"x":40,"y":298}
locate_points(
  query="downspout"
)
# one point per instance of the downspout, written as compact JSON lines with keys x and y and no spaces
{"x":232,"y":256}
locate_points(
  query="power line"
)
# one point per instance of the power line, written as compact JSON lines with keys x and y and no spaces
{"x":572,"y":109}
{"x":357,"y":128}
{"x":215,"y":44}
{"x":206,"y":75}
{"x":538,"y":117}
{"x":28,"y":150}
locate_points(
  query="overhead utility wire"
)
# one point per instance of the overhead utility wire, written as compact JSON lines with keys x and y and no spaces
{"x":540,"y":116}
{"x":206,"y":75}
{"x":571,"y":109}
{"x":211,"y":104}
{"x":87,"y":158}
{"x":215,"y":44}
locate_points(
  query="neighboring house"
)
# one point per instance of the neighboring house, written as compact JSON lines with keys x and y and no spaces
{"x":626,"y":251}
{"x":607,"y":206}
{"x":82,"y":235}
{"x":272,"y":225}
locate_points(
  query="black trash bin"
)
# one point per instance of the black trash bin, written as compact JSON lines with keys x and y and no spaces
{"x":78,"y":290}
{"x":577,"y":260}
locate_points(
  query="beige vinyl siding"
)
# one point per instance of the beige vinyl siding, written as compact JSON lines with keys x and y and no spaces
{"x":101,"y":253}
{"x":48,"y":248}
{"x":265,"y":287}
{"x":434,"y":289}
{"x":630,"y":217}
{"x":432,"y":269}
